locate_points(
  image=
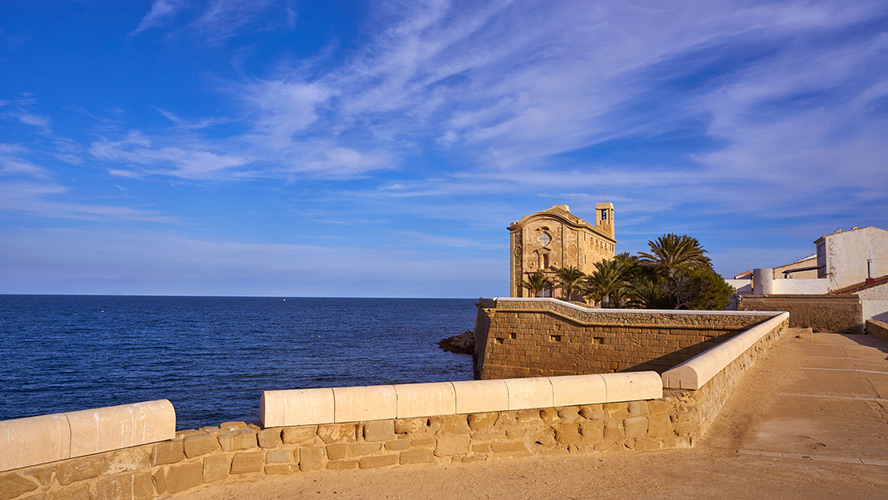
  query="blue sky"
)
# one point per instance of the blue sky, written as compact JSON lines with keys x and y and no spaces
{"x":381,"y":148}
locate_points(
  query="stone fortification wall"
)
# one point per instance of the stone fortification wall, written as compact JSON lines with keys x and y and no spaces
{"x":878,"y":329}
{"x":828,"y":313}
{"x":539,"y":337}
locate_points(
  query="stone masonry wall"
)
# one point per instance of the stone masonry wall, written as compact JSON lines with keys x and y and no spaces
{"x":878,"y":329}
{"x":237,"y":452}
{"x":827,"y":313}
{"x":545,"y":338}
{"x":702,"y":406}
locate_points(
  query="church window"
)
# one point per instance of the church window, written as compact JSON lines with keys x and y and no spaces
{"x":545,"y":238}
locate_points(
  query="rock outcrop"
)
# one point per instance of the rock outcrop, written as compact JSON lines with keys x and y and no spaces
{"x":463,"y":343}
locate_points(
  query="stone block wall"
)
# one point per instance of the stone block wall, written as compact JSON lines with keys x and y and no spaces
{"x":878,"y":329}
{"x":238,"y":452}
{"x":702,"y":406}
{"x":827,"y":313}
{"x":542,"y":337}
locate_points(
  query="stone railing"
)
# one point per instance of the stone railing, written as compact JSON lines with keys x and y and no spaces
{"x":878,"y":329}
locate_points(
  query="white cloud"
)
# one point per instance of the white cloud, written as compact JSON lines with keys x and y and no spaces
{"x":188,"y":161}
{"x":38,"y":200}
{"x":161,"y":12}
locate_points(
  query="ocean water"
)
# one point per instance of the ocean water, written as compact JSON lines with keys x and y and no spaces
{"x":213,"y":356}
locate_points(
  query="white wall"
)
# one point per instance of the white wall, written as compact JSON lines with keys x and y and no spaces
{"x":847,"y":253}
{"x":875,"y":303}
{"x":800,"y":286}
{"x":743,"y":287}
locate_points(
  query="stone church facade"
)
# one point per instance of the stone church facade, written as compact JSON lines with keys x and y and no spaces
{"x":555,"y":238}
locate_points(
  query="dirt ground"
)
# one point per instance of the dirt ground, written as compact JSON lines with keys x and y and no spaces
{"x":809,"y":421}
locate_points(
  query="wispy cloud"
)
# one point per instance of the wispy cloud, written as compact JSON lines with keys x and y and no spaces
{"x":186,"y":161}
{"x":161,"y":12}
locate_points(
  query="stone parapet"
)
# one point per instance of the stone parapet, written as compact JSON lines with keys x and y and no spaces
{"x":48,"y":438}
{"x":237,"y":452}
{"x":827,"y":313}
{"x":353,"y":404}
{"x":697,"y":371}
{"x":544,"y":337}
{"x":878,"y":329}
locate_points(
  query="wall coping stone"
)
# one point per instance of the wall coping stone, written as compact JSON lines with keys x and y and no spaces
{"x":697,"y":371}
{"x":491,"y":303}
{"x":48,"y":438}
{"x":380,"y":402}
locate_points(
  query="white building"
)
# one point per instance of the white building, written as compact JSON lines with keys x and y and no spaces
{"x":847,"y":262}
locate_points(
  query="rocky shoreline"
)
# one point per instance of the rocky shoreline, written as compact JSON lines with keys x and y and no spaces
{"x":464,"y":343}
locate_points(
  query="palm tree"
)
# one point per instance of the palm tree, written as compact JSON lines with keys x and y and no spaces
{"x":671,"y":252}
{"x":569,"y":280}
{"x":536,"y":283}
{"x":606,"y":281}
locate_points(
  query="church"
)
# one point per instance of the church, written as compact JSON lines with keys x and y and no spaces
{"x":555,"y":238}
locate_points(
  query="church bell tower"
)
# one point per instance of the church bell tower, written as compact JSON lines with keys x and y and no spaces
{"x":604,"y":217}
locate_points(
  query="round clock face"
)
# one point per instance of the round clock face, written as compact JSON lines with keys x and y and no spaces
{"x":545,"y":238}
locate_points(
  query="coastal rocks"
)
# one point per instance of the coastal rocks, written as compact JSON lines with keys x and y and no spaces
{"x":464,"y":343}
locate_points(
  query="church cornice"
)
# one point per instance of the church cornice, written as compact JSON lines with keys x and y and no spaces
{"x":562,"y":216}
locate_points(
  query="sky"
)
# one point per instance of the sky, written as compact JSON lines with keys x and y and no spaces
{"x":304,"y":148}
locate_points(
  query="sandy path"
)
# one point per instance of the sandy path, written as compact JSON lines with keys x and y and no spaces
{"x":793,"y":404}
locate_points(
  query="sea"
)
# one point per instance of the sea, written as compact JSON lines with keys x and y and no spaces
{"x":213,"y":356}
